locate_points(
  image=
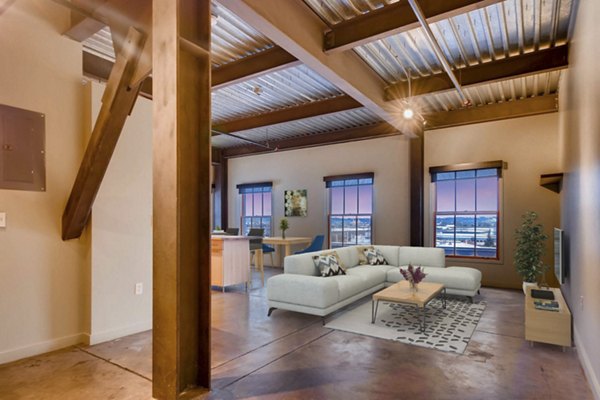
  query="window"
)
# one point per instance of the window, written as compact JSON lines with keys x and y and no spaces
{"x":350,"y":215}
{"x":467,"y":209}
{"x":256,"y":206}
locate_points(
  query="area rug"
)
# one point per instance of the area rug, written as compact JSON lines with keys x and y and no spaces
{"x":448,"y":329}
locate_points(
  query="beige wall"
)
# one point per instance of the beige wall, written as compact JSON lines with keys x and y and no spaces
{"x":580,"y":133}
{"x":121,"y":231}
{"x":305,"y":169}
{"x":530,"y":147}
{"x":42,"y":278}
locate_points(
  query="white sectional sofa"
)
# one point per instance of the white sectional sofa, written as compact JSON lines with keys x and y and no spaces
{"x":300,"y":288}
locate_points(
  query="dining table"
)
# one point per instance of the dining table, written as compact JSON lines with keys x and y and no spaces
{"x":286,"y":243}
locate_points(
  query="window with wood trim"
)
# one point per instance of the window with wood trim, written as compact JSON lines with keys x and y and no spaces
{"x":350,"y":214}
{"x":256,"y":207}
{"x":467,"y":209}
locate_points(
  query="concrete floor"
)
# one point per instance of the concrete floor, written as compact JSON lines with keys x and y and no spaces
{"x":293,"y":356}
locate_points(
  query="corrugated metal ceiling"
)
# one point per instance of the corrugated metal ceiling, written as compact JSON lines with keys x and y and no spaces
{"x":494,"y":32}
{"x":280,"y":89}
{"x":304,"y":127}
{"x":232,"y":39}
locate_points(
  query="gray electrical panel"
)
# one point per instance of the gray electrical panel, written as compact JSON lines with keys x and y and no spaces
{"x":22,"y":149}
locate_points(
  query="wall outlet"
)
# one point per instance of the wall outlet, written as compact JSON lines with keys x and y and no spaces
{"x":2,"y":220}
{"x":139,"y":288}
{"x":581,"y":302}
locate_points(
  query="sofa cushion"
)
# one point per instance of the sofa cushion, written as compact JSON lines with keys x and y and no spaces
{"x":461,"y":278}
{"x":372,"y":275}
{"x":466,"y":278}
{"x":309,"y":291}
{"x":348,"y":285}
{"x":422,"y":256}
{"x":348,"y":256}
{"x":328,"y":265}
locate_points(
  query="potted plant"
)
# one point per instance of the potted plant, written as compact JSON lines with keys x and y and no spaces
{"x":283,"y":225}
{"x":530,"y":238}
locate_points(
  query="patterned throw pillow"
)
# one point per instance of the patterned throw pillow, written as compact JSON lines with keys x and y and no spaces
{"x":362,"y":260}
{"x":336,"y":255}
{"x":375,"y":256}
{"x":328,"y":265}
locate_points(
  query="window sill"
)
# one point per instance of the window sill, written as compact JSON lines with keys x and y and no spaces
{"x":466,"y":260}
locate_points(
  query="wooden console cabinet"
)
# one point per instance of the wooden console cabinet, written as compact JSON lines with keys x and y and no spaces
{"x":543,"y":326}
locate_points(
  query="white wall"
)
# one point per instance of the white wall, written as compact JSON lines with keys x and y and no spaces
{"x":580,"y":132}
{"x":121,"y":233}
{"x":530,"y":146}
{"x":42,"y":278}
{"x":305,"y":169}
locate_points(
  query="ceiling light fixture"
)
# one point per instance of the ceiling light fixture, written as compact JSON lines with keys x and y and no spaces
{"x":214,"y":20}
{"x":408,"y":113}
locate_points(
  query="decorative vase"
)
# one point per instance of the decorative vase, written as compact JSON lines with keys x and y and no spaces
{"x":283,"y":234}
{"x":414,"y":287}
{"x":526,"y":285}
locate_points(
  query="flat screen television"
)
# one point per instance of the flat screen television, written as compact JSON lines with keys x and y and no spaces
{"x":559,"y":255}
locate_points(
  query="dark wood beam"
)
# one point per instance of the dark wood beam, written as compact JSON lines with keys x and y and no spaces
{"x":547,"y":60}
{"x":181,"y":206}
{"x":99,"y":68}
{"x":393,"y":19}
{"x":249,"y":67}
{"x":416,"y":150}
{"x":381,"y":129}
{"x":117,"y":102}
{"x":493,"y":112}
{"x":336,"y":104}
{"x":235,"y":72}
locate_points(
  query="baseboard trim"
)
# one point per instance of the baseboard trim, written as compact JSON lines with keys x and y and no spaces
{"x":588,"y":369}
{"x":111,"y":334}
{"x":40,"y":348}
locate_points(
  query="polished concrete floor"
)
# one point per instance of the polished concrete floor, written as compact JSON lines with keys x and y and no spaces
{"x":292,"y":356}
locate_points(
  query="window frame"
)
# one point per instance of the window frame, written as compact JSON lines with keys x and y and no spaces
{"x":499,"y":166}
{"x":249,"y":189}
{"x":343,"y":178}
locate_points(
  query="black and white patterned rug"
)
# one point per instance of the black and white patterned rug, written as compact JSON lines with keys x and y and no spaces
{"x":448,"y":329}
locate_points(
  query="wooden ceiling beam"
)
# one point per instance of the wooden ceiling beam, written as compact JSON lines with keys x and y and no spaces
{"x":297,"y":29}
{"x":336,"y":104}
{"x":438,"y":120}
{"x":246,"y":68}
{"x":252,"y":66}
{"x":379,"y":130}
{"x":393,"y":19}
{"x":493,"y":112}
{"x":547,"y":60}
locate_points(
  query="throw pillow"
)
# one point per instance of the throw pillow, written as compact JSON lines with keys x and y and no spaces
{"x":362,"y":260}
{"x":375,"y":256}
{"x":328,"y":265}
{"x":336,"y":255}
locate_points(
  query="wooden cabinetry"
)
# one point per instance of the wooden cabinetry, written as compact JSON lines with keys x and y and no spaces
{"x":230,"y":260}
{"x":544,"y":326}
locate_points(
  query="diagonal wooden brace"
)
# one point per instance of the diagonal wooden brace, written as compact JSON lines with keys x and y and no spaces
{"x":117,"y":102}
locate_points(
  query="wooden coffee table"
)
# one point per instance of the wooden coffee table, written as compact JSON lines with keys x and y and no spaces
{"x":401,"y":293}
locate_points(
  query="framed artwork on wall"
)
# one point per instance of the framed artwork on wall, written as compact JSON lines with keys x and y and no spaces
{"x":295,"y":203}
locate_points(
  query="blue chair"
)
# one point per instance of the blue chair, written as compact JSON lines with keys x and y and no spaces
{"x":270,"y":250}
{"x":316,"y":245}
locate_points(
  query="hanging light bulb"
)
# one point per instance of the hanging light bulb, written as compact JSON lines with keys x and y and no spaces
{"x":408,"y":113}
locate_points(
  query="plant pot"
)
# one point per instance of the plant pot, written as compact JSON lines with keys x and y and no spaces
{"x":527,"y":285}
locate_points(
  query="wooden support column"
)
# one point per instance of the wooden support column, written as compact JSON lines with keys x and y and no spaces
{"x":416,"y":189}
{"x":181,"y":170}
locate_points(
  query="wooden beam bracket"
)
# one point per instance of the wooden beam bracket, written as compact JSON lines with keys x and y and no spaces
{"x":117,"y":102}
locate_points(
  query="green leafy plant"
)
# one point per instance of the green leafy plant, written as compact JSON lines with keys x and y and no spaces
{"x":530,"y":238}
{"x":283,"y":225}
